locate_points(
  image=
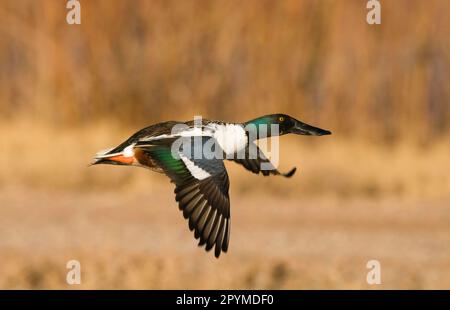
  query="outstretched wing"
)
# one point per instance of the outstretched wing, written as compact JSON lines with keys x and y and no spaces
{"x":202,"y":194}
{"x":254,"y":163}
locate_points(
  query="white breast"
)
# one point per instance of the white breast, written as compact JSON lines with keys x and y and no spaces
{"x":230,"y":137}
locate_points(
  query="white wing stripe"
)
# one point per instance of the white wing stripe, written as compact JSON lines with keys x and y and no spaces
{"x":191,"y":132}
{"x":196,"y":171}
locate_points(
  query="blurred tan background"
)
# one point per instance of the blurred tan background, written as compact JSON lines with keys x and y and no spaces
{"x":378,"y":188}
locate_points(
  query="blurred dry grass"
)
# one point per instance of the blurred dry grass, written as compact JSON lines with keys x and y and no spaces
{"x":140,"y":240}
{"x":379,"y":188}
{"x":143,"y":60}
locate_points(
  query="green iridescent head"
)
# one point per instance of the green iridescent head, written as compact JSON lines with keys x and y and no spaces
{"x":281,"y":124}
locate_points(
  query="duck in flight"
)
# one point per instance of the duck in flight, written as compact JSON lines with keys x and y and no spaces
{"x":201,"y":182}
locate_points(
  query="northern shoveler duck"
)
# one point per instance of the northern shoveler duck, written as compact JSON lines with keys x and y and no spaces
{"x":201,"y":182}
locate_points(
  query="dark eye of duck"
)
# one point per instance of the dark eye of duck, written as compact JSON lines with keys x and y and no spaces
{"x":281,"y":119}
